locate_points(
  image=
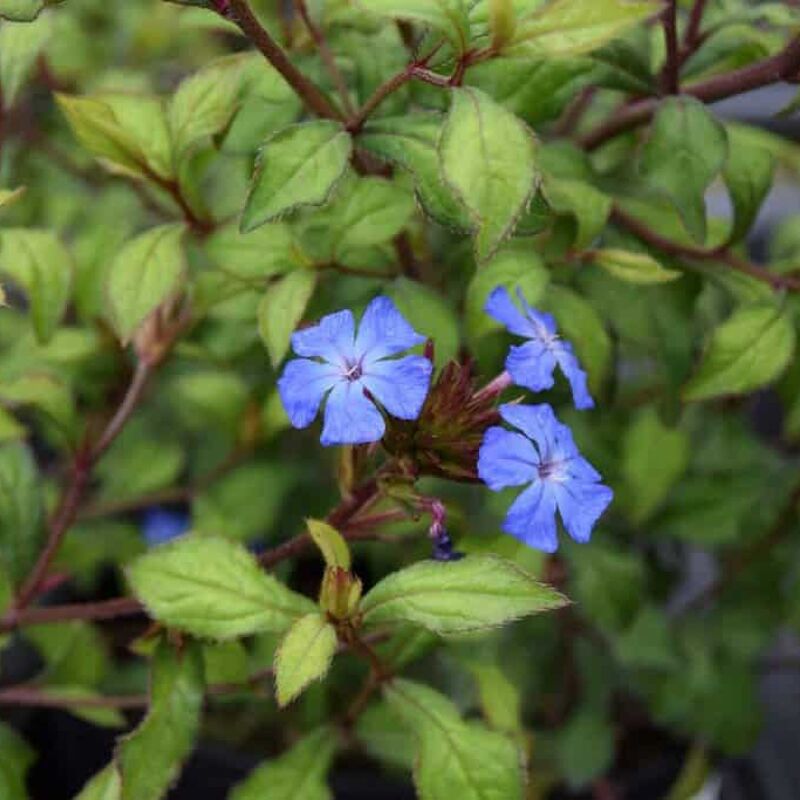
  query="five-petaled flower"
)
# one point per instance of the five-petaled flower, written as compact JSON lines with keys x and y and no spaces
{"x":532,"y":364}
{"x":341,"y":364}
{"x":559,"y":477}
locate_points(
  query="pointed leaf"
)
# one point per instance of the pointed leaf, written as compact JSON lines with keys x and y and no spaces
{"x":474,"y":593}
{"x":298,"y":166}
{"x":488,"y":157}
{"x":20,"y":45}
{"x":213,"y":588}
{"x":281,"y":309}
{"x":330,"y":542}
{"x":106,"y":785}
{"x":633,"y":267}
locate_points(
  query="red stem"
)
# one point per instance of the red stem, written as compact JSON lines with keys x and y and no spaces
{"x":670,"y":76}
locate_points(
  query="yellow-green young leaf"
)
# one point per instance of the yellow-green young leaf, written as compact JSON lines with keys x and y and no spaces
{"x":589,"y":206}
{"x":455,"y":758}
{"x":569,"y":27}
{"x":649,"y":480}
{"x":515,"y":266}
{"x":213,"y":588}
{"x":226,"y":662}
{"x":281,"y":308}
{"x":303,"y":656}
{"x":330,"y":542}
{"x":21,"y":511}
{"x":20,"y":45}
{"x":474,"y":593}
{"x":298,"y":774}
{"x":298,"y":166}
{"x":693,"y":775}
{"x":501,"y":22}
{"x":127,"y":133}
{"x":9,"y":196}
{"x":686,"y":150}
{"x":106,"y":785}
{"x":23,"y":10}
{"x":10,"y":429}
{"x":411,"y":142}
{"x":146,"y":271}
{"x":488,"y":157}
{"x":748,"y":175}
{"x":37,"y":262}
{"x":749,"y":350}
{"x":579,"y":323}
{"x":72,"y":697}
{"x":205,"y":102}
{"x":633,"y":267}
{"x":448,"y":17}
{"x":150,"y":758}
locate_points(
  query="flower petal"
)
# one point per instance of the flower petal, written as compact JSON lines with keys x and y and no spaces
{"x":532,"y":518}
{"x":349,"y":417}
{"x":531,"y":365}
{"x":581,"y":505}
{"x":331,"y":338}
{"x":500,"y":306}
{"x":384,"y":331}
{"x":571,"y":368}
{"x":543,"y":324}
{"x":539,"y":423}
{"x":302,"y":386}
{"x":400,"y":385}
{"x":506,"y":459}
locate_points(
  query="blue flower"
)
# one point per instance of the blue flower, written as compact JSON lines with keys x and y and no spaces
{"x":559,"y":478}
{"x":532,"y":364}
{"x":342,"y":365}
{"x":159,"y":525}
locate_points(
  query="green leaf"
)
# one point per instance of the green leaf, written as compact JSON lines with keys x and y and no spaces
{"x":16,"y":758}
{"x":749,"y":350}
{"x":74,"y":652}
{"x":383,"y":736}
{"x":501,"y":22}
{"x":20,"y":45}
{"x":73,"y":695}
{"x":281,"y":309}
{"x":748,"y":175}
{"x":589,"y":206}
{"x":210,"y":399}
{"x":21,"y":512}
{"x":205,"y":102}
{"x":448,"y":17}
{"x":585,"y":747}
{"x":298,"y":166}
{"x":38,"y":262}
{"x":298,"y":774}
{"x":516,"y":266}
{"x":147,"y":270}
{"x":570,"y":27}
{"x":633,"y":267}
{"x":686,"y":150}
{"x":411,"y":142}
{"x":474,"y":593}
{"x":127,"y":133}
{"x":213,"y":588}
{"x":46,"y":394}
{"x":226,"y":662}
{"x":488,"y":157}
{"x":151,"y":757}
{"x":648,"y":480}
{"x":454,"y":758}
{"x":266,"y":251}
{"x":24,"y":10}
{"x":500,"y":699}
{"x":429,"y":314}
{"x":10,"y":196}
{"x":304,"y":655}
{"x":647,"y":643}
{"x":693,"y":776}
{"x":106,"y":785}
{"x":330,"y":542}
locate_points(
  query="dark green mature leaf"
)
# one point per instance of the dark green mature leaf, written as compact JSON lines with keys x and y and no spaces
{"x":455,"y":758}
{"x":298,"y":774}
{"x":38,"y":262}
{"x":74,"y":653}
{"x":748,"y":174}
{"x":648,"y":480}
{"x":411,"y":142}
{"x":488,"y":156}
{"x":21,"y":512}
{"x":589,"y":206}
{"x":20,"y":45}
{"x":151,"y":757}
{"x":571,"y":27}
{"x":475,"y":593}
{"x":749,"y":350}
{"x":213,"y":588}
{"x":585,"y":747}
{"x":448,"y":17}
{"x":298,"y":166}
{"x":281,"y":309}
{"x":686,"y":150}
{"x":16,"y":757}
{"x":147,"y":271}
{"x":266,"y":251}
{"x":304,"y":655}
